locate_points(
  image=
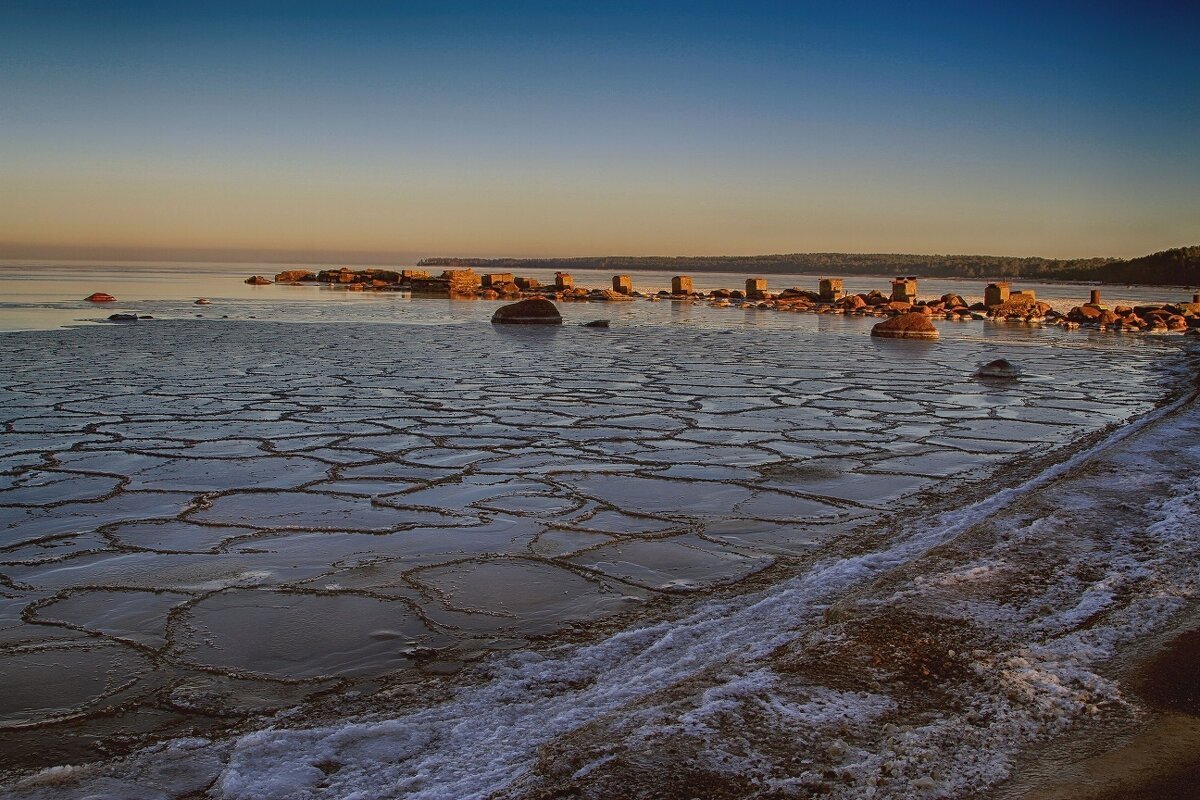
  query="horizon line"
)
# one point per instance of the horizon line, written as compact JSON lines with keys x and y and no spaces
{"x":20,"y":251}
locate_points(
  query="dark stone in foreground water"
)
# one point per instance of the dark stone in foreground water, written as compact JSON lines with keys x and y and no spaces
{"x":535,"y":311}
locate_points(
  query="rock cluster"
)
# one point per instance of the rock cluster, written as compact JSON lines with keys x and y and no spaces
{"x":1160,"y":318}
{"x":1006,"y":305}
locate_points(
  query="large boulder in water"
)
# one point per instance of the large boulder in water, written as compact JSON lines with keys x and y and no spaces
{"x":257,"y":280}
{"x":906,"y":326}
{"x":534,"y":311}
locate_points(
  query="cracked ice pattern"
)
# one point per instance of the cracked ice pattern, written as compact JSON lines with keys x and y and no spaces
{"x":203,"y":521}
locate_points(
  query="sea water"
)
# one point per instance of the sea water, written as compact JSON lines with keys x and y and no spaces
{"x":222,"y":514}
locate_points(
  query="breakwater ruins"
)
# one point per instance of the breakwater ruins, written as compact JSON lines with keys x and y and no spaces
{"x":1001,"y":300}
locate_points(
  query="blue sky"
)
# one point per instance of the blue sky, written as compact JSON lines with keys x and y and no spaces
{"x":578,"y":128}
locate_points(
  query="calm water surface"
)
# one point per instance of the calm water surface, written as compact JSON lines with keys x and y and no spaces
{"x":37,"y":295}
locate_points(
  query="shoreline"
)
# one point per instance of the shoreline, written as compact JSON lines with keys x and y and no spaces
{"x":1155,"y":755}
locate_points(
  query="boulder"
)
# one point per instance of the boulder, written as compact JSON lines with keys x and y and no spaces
{"x":596,"y":323}
{"x":906,"y":326}
{"x":100,"y":297}
{"x":534,"y":311}
{"x":853,"y":302}
{"x":203,"y":301}
{"x":258,"y":280}
{"x":608,"y":295}
{"x":953,"y":300}
{"x":999,"y":369}
{"x":122,"y":317}
{"x":293,"y":275}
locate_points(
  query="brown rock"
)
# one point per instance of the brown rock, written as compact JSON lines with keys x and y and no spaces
{"x":534,"y":311}
{"x":1018,"y":305}
{"x":100,"y":297}
{"x":293,"y":275}
{"x":1000,"y":369}
{"x":608,"y":295}
{"x":953,"y":300}
{"x":906,"y":326}
{"x":257,"y":280}
{"x":461,"y":281}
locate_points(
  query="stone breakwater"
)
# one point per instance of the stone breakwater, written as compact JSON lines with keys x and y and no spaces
{"x":1000,"y":302}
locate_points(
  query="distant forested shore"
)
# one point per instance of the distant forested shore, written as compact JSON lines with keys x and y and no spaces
{"x":1176,"y":267}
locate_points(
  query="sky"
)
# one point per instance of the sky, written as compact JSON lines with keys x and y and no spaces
{"x":567,"y":128}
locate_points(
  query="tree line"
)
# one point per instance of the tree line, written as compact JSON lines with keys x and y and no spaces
{"x":1179,"y":266}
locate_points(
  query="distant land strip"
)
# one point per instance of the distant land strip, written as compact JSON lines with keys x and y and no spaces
{"x":1177,"y":267}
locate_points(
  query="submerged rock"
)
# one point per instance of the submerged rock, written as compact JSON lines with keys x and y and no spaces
{"x":100,"y":297}
{"x":122,"y":317}
{"x":597,"y":323}
{"x":534,"y":311}
{"x":1000,"y":368}
{"x":203,"y":301}
{"x":906,"y":326}
{"x":258,"y":280}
